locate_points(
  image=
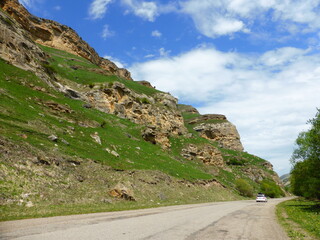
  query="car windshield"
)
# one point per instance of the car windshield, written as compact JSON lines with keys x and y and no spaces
{"x":260,"y":195}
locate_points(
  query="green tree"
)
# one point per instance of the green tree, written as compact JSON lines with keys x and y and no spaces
{"x":271,"y":189}
{"x":305,"y":175}
{"x":244,"y":187}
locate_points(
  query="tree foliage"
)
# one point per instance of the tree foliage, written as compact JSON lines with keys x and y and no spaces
{"x":271,"y":189}
{"x":305,"y":175}
{"x":244,"y":187}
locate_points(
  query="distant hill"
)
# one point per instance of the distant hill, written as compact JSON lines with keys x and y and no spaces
{"x":285,"y":179}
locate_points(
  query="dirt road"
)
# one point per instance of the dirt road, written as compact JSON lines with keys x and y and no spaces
{"x":223,"y":220}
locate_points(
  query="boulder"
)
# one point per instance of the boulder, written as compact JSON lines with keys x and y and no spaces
{"x":96,"y":137}
{"x":122,"y":192}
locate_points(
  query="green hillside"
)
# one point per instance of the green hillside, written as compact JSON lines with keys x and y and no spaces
{"x":51,"y":164}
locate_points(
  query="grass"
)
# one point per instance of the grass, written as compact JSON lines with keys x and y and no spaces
{"x":75,"y":172}
{"x":300,"y":218}
{"x":81,"y":71}
{"x":14,"y":212}
{"x":21,"y":108}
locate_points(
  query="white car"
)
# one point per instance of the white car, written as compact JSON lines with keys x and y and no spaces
{"x":261,"y":198}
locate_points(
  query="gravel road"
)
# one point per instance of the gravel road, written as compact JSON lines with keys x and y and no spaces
{"x":245,"y":220}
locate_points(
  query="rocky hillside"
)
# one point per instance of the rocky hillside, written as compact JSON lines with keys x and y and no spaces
{"x":79,"y":135}
{"x":53,"y":34}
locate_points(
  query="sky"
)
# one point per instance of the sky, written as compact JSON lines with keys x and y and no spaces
{"x":257,"y":62}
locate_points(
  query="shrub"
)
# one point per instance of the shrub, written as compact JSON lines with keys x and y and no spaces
{"x":271,"y":189}
{"x":143,"y":100}
{"x":91,"y":85}
{"x":103,"y":124}
{"x":48,"y":68}
{"x":236,"y":162}
{"x":244,"y":187}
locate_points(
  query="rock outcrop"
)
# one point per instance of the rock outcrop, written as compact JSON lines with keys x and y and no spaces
{"x":18,"y":48}
{"x":207,"y":154}
{"x":56,"y":35}
{"x":214,"y":127}
{"x":158,"y":112}
{"x":225,"y":133}
{"x":187,"y":109}
{"x":207,"y":117}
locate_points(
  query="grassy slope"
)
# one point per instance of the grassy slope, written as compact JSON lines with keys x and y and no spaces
{"x":23,"y":113}
{"x":300,"y":218}
{"x":26,"y":120}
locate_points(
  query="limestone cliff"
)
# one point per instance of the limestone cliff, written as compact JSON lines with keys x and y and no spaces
{"x":18,"y":48}
{"x":214,"y":127}
{"x":56,"y":35}
{"x":158,"y":112}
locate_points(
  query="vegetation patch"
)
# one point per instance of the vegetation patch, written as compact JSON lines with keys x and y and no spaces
{"x":271,"y":189}
{"x":300,"y":218}
{"x":78,"y":70}
{"x":244,"y":188}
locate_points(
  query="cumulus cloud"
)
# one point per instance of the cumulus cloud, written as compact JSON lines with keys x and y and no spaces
{"x":106,"y":32}
{"x":143,"y":9}
{"x":269,"y":96}
{"x":156,"y":33}
{"x":98,"y":8}
{"x":216,"y":18}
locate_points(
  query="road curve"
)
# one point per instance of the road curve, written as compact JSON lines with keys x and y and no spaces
{"x":245,"y":220}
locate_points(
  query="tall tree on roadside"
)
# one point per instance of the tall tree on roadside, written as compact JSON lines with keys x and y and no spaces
{"x":305,"y":175}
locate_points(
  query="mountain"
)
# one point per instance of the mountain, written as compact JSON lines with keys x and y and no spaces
{"x":80,"y":135}
{"x":285,"y":179}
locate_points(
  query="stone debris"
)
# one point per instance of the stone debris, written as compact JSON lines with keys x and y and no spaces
{"x":114,"y":153}
{"x":96,"y":137}
{"x":53,"y":138}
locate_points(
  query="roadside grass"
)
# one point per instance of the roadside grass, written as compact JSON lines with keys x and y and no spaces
{"x":300,"y":218}
{"x":147,"y":195}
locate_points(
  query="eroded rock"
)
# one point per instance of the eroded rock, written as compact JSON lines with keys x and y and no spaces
{"x":207,"y":154}
{"x":123,"y":192}
{"x":56,"y":35}
{"x":225,"y":133}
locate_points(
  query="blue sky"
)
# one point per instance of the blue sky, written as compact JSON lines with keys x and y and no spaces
{"x":257,"y":62}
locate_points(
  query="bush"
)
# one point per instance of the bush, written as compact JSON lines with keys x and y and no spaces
{"x":143,"y":100}
{"x":244,"y":187}
{"x":271,"y":189}
{"x":48,"y":68}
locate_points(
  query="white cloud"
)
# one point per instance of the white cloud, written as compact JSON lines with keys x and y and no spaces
{"x":26,"y":3}
{"x":31,"y":3}
{"x":98,"y":8}
{"x":269,"y":97}
{"x":106,"y":33}
{"x":215,"y":18}
{"x":163,"y":52}
{"x":145,"y":10}
{"x":156,"y":33}
{"x":115,"y":61}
